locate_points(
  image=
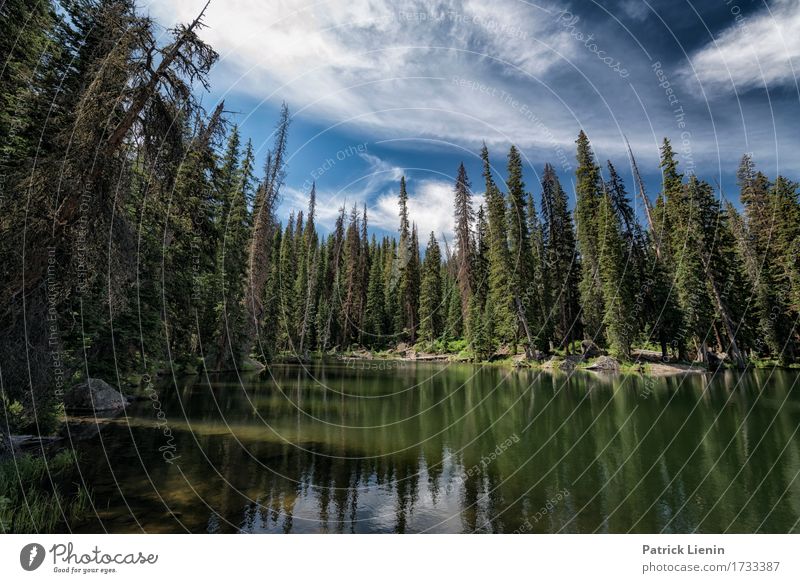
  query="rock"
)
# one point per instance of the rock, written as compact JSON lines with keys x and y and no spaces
{"x":6,"y":445}
{"x":250,"y":364}
{"x":590,"y":349}
{"x":606,"y":364}
{"x":501,"y":353}
{"x":566,"y":364}
{"x":402,"y":347}
{"x":521,"y":361}
{"x":94,"y":395}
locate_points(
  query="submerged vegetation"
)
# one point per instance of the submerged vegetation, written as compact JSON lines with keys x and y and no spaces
{"x":136,"y":229}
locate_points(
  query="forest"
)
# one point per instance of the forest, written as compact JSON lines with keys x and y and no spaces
{"x":138,"y":231}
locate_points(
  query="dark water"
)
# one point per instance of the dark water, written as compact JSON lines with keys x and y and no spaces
{"x":408,"y":448}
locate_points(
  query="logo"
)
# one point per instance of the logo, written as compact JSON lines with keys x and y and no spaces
{"x":31,"y":556}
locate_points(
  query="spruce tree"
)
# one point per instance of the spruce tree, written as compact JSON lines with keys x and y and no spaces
{"x":588,"y":190}
{"x":562,"y":263}
{"x":521,"y":254}
{"x":430,"y":301}
{"x":617,"y":291}
{"x":500,"y":294}
{"x":464,"y":216}
{"x":375,"y":316}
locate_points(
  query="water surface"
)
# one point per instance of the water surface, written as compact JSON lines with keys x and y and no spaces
{"x":402,"y":447}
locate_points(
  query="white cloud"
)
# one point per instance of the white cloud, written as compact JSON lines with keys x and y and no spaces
{"x":391,"y":66}
{"x":430,"y":201}
{"x":635,"y":9}
{"x":755,"y":51}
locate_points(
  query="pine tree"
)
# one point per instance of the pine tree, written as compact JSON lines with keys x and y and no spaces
{"x":562,"y":263}
{"x":588,"y":190}
{"x":287,"y":273}
{"x":267,"y":343}
{"x":375,"y":316}
{"x":480,"y":267}
{"x":479,"y":330}
{"x":521,"y":254}
{"x":407,"y":271}
{"x":352,"y":280}
{"x":235,"y":183}
{"x":307,"y":284}
{"x":672,"y":192}
{"x":464,"y":217}
{"x":265,"y":201}
{"x":538,"y":292}
{"x":617,"y":291}
{"x":687,"y":250}
{"x":454,"y":327}
{"x":500,"y":295}
{"x":430,"y":301}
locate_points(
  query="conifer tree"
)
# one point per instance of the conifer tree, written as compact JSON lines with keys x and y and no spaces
{"x":563,"y":267}
{"x":375,"y":316}
{"x":617,"y":292}
{"x":500,"y":294}
{"x":538,"y":293}
{"x":235,"y":183}
{"x":464,"y":216}
{"x":588,"y":190}
{"x":430,"y":301}
{"x":520,"y":252}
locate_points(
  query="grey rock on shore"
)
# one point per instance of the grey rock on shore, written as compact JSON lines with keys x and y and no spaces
{"x":94,"y":395}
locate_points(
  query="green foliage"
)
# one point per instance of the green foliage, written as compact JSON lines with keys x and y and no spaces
{"x":199,"y":271}
{"x":588,"y":190}
{"x":617,"y":291}
{"x":32,"y":498}
{"x":430,"y":301}
{"x":500,"y":297}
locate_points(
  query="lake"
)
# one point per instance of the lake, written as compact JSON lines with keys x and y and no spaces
{"x":382,"y":446}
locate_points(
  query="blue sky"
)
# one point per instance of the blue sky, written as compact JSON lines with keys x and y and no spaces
{"x":379,"y":89}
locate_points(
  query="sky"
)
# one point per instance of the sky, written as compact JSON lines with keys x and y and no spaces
{"x":378,"y":89}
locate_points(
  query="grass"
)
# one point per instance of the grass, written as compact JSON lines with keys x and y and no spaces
{"x":29,"y":500}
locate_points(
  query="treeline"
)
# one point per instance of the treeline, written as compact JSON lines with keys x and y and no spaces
{"x":698,"y":277}
{"x":138,"y":229}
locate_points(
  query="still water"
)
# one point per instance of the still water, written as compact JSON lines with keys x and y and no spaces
{"x":402,"y":447}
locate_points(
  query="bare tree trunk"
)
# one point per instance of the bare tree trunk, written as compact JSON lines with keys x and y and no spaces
{"x":523,"y":320}
{"x":733,"y":350}
{"x":648,"y":208}
{"x":145,"y":92}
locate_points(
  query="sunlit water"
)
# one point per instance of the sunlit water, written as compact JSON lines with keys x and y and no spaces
{"x":390,"y":447}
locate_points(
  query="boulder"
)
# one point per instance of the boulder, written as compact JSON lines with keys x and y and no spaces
{"x":94,"y":395}
{"x":567,"y":364}
{"x":521,"y":361}
{"x":606,"y":364}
